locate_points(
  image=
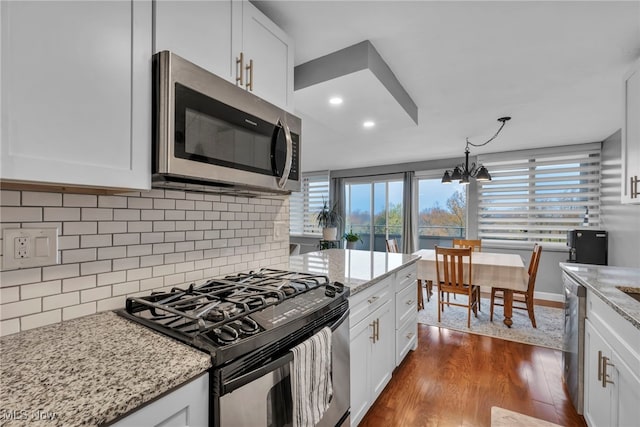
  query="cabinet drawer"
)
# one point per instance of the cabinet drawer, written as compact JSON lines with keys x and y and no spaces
{"x":405,"y":277}
{"x":366,"y":302}
{"x":406,"y":304}
{"x":406,"y":339}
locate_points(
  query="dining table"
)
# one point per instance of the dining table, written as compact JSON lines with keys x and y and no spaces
{"x":489,"y":270}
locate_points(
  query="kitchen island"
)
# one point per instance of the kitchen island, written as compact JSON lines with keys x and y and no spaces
{"x":89,"y":371}
{"x":611,"y":344}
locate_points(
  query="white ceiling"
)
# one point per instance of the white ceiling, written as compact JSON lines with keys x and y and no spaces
{"x":556,"y":67}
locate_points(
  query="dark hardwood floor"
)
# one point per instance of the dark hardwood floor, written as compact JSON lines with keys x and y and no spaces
{"x":454,"y":378}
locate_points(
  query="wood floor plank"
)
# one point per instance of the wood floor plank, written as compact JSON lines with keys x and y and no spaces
{"x":454,"y":378}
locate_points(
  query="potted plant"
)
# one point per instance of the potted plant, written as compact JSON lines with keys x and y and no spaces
{"x":328,"y":219}
{"x":351,"y":238}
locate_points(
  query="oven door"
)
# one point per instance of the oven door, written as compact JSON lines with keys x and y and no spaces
{"x":265,"y":399}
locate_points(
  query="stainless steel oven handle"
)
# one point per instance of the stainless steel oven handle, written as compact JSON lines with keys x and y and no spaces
{"x":287,"y":163}
{"x":272,"y":366}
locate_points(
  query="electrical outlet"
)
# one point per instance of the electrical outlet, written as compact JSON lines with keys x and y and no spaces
{"x":21,"y":245}
{"x":29,"y":247}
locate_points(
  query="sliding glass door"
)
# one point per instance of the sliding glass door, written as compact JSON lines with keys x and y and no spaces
{"x":374,"y":211}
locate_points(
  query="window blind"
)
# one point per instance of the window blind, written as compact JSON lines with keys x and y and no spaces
{"x":304,"y":205}
{"x":537,"y":195}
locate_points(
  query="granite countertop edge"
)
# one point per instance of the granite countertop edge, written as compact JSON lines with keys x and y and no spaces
{"x":623,"y":304}
{"x":92,"y":370}
{"x":354,"y":290}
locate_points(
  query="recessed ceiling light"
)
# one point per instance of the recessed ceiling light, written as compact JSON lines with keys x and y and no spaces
{"x":336,"y":100}
{"x":368,"y":124}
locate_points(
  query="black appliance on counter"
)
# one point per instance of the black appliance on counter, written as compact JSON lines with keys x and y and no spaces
{"x":248,"y":323}
{"x":587,"y":246}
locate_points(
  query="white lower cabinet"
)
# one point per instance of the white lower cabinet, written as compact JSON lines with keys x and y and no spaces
{"x":406,"y":312}
{"x":187,"y":406}
{"x":611,"y":368}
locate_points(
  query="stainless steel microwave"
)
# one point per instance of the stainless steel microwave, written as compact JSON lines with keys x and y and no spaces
{"x":209,"y":133}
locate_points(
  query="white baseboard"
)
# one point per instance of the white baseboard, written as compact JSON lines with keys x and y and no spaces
{"x":548,"y":296}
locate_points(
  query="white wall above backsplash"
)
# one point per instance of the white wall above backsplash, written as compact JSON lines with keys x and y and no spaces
{"x":112,"y":247}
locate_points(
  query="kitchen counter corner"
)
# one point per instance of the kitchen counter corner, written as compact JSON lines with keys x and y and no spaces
{"x":357,"y":270}
{"x":91,"y":370}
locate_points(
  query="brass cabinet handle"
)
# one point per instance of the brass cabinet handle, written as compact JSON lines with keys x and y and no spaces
{"x":409,"y":302}
{"x":239,"y":70}
{"x":633,"y":190}
{"x":249,"y":69}
{"x":605,"y":376}
{"x":410,"y":335}
{"x":372,"y":299}
{"x":599,"y":365}
{"x":377,"y":330}
{"x":373,"y":331}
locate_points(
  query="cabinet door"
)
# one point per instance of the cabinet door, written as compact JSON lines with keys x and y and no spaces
{"x":383,"y":351}
{"x":272,"y":53}
{"x":597,"y":399}
{"x":626,"y":393}
{"x":76,"y":93}
{"x":631,"y":133}
{"x":360,"y":351}
{"x":198,"y":31}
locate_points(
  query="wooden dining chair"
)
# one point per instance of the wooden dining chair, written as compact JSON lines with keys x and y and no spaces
{"x":453,"y":265}
{"x":392,"y":246}
{"x":475,"y":245}
{"x":524,"y":299}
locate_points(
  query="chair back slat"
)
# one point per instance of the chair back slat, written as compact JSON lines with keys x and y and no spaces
{"x":533,"y":268}
{"x":475,"y":245}
{"x":452,"y":272}
{"x":392,"y":246}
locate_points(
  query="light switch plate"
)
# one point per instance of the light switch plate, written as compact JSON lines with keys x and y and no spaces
{"x":29,"y":247}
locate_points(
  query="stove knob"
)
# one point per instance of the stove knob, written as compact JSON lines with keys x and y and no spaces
{"x":339,"y":287}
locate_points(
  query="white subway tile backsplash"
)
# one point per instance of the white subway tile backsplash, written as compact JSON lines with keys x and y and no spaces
{"x":20,"y":277}
{"x":95,"y":240}
{"x":80,"y":200}
{"x":42,"y":289}
{"x":40,"y":319}
{"x":95,"y":267}
{"x":75,"y":311}
{"x":113,"y":246}
{"x":8,"y":327}
{"x":110,"y":278}
{"x":112,"y":202}
{"x":9,"y":198}
{"x":113,"y":252}
{"x":79,"y":255}
{"x":78,"y":283}
{"x":60,"y":300}
{"x":11,"y":294}
{"x":33,"y":198}
{"x":95,"y":294}
{"x":20,"y":308}
{"x":20,"y":214}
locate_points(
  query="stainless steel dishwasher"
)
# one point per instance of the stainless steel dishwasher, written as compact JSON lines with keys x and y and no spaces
{"x":575,"y":306}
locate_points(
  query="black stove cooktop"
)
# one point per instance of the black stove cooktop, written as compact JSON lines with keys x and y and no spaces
{"x":238,"y":314}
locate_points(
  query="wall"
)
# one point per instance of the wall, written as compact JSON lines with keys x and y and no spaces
{"x":111,"y":247}
{"x":621,"y":221}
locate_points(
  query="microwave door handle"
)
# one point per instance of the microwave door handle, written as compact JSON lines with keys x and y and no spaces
{"x":287,"y":164}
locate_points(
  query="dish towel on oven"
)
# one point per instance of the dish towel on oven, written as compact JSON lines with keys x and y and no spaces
{"x":311,"y":385}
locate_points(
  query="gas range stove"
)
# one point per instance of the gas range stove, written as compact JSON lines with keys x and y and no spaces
{"x":239,"y":314}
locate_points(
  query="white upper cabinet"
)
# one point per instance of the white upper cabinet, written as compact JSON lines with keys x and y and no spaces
{"x":232,"y":39}
{"x":76,"y":93}
{"x":630,"y":190}
{"x":269,"y":51}
{"x":198,"y":31}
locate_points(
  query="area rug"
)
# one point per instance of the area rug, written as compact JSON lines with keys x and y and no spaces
{"x":501,"y":417}
{"x":550,"y":322}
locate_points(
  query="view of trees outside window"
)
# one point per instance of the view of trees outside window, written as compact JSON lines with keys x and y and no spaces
{"x":442,"y":211}
{"x":384,"y":199}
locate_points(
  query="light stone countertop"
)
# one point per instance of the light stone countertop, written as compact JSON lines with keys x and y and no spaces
{"x":355,"y":269}
{"x":89,"y":371}
{"x":602,"y":281}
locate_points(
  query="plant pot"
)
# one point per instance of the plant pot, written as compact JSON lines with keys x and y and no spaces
{"x":351,"y":245}
{"x":329,"y":233}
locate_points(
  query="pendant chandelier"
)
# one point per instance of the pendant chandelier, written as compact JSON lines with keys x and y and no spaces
{"x":463,"y":172}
